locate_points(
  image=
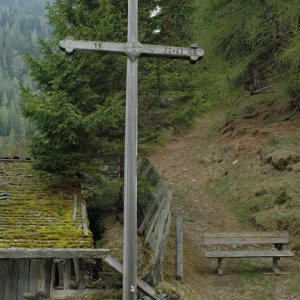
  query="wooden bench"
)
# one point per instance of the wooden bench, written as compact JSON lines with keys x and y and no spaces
{"x":278,"y":239}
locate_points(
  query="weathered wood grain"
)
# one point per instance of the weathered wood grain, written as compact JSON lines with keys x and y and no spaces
{"x":77,"y":270}
{"x":248,"y":234}
{"x":150,"y":211}
{"x":11,"y":289}
{"x":84,"y":220}
{"x":52,"y":281}
{"x":179,"y":248}
{"x":4,"y":264}
{"x":8,"y":279}
{"x":42,"y":275}
{"x":248,"y":253}
{"x":23,"y":278}
{"x":162,"y":251}
{"x":82,"y":283}
{"x":246,"y":238}
{"x":49,"y":266}
{"x":36,"y":276}
{"x":245,"y":241}
{"x":75,"y":200}
{"x":117,"y":266}
{"x":18,"y":253}
{"x":70,"y":45}
{"x":162,"y":229}
{"x":157,"y":217}
{"x":60,"y":269}
{"x":67,"y":274}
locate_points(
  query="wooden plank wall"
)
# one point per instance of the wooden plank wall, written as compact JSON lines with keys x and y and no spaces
{"x":157,"y":217}
{"x":29,"y":271}
{"x":22,"y":276}
{"x":19,"y":276}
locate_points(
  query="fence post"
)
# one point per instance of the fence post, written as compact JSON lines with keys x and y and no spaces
{"x":74,"y":207}
{"x":179,"y":248}
{"x":84,"y":220}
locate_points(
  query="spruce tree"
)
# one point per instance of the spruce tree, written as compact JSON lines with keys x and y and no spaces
{"x":79,"y":111}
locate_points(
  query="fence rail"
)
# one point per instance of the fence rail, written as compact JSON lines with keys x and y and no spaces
{"x":157,"y":217}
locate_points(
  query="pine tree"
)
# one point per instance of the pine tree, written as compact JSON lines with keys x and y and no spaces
{"x":79,"y":113}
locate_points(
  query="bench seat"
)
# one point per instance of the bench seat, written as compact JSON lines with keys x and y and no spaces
{"x":277,"y":239}
{"x":248,"y":253}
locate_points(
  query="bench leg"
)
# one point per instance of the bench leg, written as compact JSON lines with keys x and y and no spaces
{"x":219,"y":269}
{"x":275,"y":264}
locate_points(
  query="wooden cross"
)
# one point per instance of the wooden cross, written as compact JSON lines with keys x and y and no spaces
{"x":133,"y":49}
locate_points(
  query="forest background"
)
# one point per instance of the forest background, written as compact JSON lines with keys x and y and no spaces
{"x":72,"y":111}
{"x":248,"y":46}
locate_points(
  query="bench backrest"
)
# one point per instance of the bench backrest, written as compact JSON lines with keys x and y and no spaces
{"x":281,"y":237}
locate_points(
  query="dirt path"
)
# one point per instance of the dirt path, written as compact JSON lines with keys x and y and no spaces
{"x":181,"y":164}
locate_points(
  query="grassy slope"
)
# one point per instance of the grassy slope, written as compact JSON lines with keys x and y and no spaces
{"x":254,"y":161}
{"x":223,"y":180}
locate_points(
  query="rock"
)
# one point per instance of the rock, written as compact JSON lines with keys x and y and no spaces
{"x":281,"y":159}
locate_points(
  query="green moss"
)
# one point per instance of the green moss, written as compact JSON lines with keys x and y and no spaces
{"x":113,"y":294}
{"x":39,"y":211}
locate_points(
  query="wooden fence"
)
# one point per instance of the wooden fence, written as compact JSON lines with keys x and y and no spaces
{"x":156,"y":217}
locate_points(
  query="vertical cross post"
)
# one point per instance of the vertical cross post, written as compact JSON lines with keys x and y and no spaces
{"x":130,"y":172}
{"x":133,"y":49}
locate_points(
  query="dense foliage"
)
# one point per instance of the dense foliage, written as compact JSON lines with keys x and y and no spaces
{"x":249,"y":45}
{"x":79,"y":111}
{"x":20,"y":27}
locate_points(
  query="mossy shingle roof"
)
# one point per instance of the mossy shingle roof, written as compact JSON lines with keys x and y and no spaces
{"x":36,"y":210}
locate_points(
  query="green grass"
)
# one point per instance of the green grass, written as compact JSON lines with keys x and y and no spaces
{"x":294,"y":286}
{"x":290,"y":140}
{"x":254,"y":190}
{"x":277,"y":209}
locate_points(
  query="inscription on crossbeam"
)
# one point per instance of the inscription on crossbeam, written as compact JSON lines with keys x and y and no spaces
{"x":133,"y":50}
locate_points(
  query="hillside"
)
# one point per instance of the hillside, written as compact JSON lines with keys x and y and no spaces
{"x":236,"y":171}
{"x":21,"y":25}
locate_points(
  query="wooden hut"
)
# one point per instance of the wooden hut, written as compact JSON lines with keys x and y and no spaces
{"x":44,"y":236}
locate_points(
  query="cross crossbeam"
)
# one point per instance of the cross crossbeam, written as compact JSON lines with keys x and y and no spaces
{"x":133,"y":50}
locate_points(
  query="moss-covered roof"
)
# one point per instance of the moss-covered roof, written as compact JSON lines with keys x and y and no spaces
{"x":37,"y":211}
